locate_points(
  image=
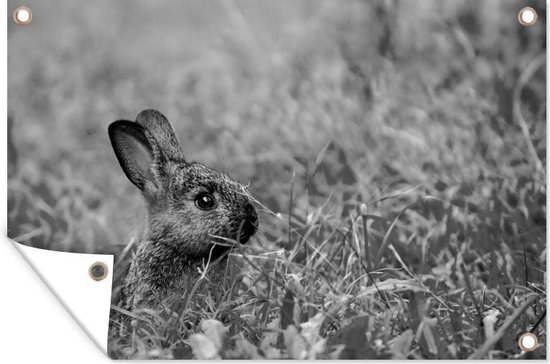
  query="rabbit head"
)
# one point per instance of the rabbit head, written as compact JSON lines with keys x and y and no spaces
{"x":194,"y":209}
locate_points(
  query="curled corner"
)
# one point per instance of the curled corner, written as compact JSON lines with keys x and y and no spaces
{"x":67,"y":276}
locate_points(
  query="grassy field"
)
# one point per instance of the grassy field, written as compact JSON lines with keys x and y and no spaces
{"x":396,"y":149}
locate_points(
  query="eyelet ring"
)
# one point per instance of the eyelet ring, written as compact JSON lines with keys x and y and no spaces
{"x":98,"y":271}
{"x":528,"y":341}
{"x":527,"y":16}
{"x":22,"y":15}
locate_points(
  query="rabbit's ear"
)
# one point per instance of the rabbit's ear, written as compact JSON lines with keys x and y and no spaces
{"x":138,"y":153}
{"x":160,"y":127}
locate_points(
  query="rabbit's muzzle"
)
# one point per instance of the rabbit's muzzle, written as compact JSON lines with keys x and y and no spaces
{"x":248,"y":225}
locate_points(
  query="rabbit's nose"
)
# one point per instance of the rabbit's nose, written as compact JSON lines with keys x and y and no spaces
{"x":249,"y":223}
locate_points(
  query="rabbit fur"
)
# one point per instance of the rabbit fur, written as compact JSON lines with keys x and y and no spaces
{"x":195,"y":214}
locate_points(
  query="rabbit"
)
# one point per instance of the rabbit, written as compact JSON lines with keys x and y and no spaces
{"x":195,"y":214}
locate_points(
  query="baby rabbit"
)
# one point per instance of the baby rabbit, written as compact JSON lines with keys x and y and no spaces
{"x":194,"y":213}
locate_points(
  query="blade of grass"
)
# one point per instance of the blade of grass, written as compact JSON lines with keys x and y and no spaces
{"x":364,"y":218}
{"x":386,"y":239}
{"x":480,"y":333}
{"x":382,"y":295}
{"x":289,"y":244}
{"x":542,"y":316}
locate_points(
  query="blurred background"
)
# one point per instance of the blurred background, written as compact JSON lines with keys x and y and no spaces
{"x":376,"y":96}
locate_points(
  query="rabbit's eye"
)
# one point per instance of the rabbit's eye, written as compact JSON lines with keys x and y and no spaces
{"x":205,"y":201}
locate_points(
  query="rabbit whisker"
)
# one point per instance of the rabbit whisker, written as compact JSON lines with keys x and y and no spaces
{"x":224,"y":241}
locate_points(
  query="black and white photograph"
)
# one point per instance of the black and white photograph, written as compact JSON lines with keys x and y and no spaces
{"x":295,"y":179}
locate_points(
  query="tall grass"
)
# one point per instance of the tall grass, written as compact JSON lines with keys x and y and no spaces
{"x":397,"y":160}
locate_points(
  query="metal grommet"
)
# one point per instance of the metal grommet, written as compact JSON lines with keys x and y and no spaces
{"x":528,"y":341}
{"x":527,"y":16}
{"x":98,"y":271}
{"x":22,"y":15}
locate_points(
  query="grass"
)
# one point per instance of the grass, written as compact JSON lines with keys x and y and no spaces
{"x":398,"y":162}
